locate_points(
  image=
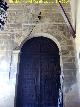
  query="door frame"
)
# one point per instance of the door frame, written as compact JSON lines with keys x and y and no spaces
{"x":60,"y":53}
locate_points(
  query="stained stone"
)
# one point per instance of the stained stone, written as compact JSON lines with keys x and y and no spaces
{"x":21,"y":20}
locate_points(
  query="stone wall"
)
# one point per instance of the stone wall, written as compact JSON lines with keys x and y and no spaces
{"x":22,"y":19}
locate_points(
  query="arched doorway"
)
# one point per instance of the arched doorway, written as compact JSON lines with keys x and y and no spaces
{"x":39,"y":74}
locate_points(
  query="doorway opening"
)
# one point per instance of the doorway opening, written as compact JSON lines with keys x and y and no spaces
{"x":39,"y":82}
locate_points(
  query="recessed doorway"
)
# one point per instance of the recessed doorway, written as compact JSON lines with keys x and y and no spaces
{"x":39,"y":74}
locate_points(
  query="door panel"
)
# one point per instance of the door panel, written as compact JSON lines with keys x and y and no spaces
{"x":39,"y":74}
{"x":49,"y":92}
{"x":28,"y":82}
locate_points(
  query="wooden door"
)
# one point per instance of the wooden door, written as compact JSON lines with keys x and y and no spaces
{"x":39,"y":74}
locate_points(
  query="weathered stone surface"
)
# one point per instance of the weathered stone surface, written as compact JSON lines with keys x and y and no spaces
{"x":68,"y":59}
{"x":69,"y":66}
{"x":20,"y":22}
{"x":70,"y":72}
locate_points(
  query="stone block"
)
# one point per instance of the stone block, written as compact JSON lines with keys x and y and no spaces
{"x":68,"y":59}
{"x":16,"y":26}
{"x":69,"y":66}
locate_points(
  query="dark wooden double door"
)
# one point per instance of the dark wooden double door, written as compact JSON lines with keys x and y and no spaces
{"x":39,"y":74}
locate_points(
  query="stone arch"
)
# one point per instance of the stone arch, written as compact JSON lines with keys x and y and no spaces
{"x":43,"y":35}
{"x":54,"y":34}
{"x":62,"y":41}
{"x":47,"y":36}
